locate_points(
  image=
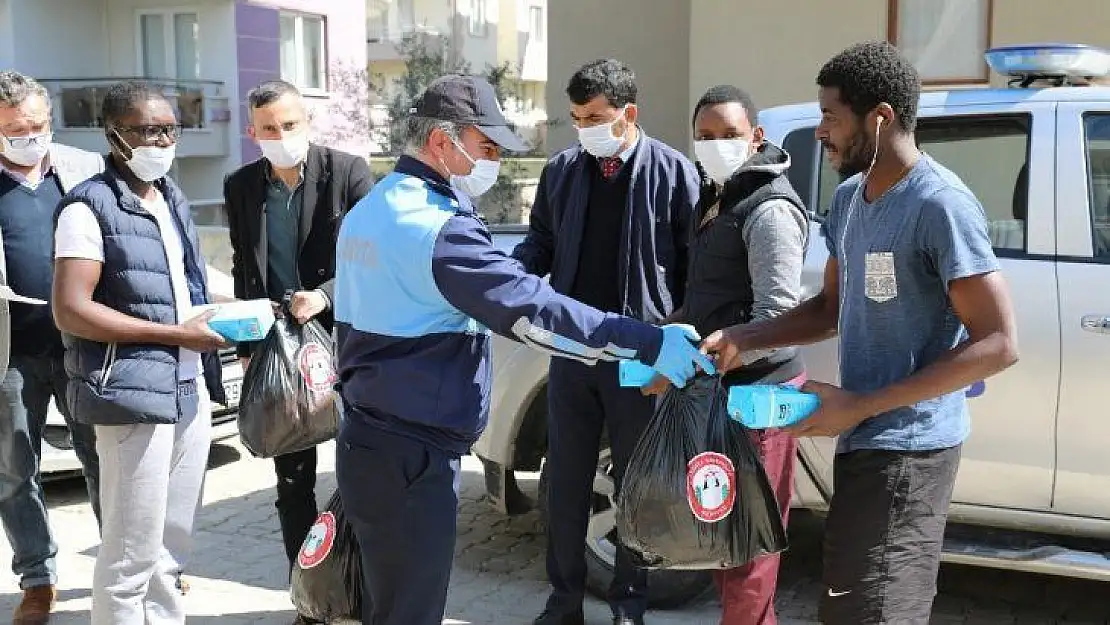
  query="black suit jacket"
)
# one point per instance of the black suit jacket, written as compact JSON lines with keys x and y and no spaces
{"x":334,"y":182}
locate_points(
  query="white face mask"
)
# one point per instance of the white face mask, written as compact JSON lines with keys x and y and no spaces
{"x":481,"y":178}
{"x":286,"y":152}
{"x":26,"y":151}
{"x":599,"y":140}
{"x":151,"y":162}
{"x":722,"y":157}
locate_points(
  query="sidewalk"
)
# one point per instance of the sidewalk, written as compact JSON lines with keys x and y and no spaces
{"x":238,"y":572}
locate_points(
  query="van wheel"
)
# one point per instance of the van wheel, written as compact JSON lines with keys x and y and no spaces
{"x":666,"y":589}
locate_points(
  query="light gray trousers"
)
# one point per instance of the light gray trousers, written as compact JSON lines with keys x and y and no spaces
{"x":151,"y":477}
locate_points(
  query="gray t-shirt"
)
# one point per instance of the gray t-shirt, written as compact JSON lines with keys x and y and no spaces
{"x":896,"y":257}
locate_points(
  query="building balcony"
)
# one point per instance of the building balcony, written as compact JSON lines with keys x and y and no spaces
{"x":384,"y":44}
{"x":201,"y":107}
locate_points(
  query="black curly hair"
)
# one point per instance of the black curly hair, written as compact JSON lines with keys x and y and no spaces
{"x":873,"y":72}
{"x":724,"y":94}
{"x":606,"y":77}
{"x":122,"y":99}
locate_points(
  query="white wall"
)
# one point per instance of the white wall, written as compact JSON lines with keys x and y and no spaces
{"x":58,"y":38}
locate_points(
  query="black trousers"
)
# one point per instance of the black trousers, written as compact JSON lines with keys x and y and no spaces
{"x":296,"y":498}
{"x":884,"y":534}
{"x":582,"y":399}
{"x":401,"y":498}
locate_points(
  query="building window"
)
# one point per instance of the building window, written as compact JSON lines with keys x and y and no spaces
{"x":477,"y":23}
{"x":168,"y":45}
{"x":303,"y":55}
{"x":535,"y":22}
{"x":945,"y":39}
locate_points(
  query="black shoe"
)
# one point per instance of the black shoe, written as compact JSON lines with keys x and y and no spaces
{"x":554,"y":618}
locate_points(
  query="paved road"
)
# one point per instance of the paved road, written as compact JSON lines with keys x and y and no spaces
{"x":238,"y":572}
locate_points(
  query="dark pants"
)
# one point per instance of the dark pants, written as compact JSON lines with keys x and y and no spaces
{"x":748,"y":593}
{"x":884,"y":534}
{"x":25,"y":394}
{"x":296,"y":498}
{"x":401,"y":498}
{"x":582,"y":399}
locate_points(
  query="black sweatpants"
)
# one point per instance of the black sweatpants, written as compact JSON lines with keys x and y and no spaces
{"x":884,"y":534}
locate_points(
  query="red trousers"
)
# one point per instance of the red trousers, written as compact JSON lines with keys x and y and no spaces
{"x":748,"y":593}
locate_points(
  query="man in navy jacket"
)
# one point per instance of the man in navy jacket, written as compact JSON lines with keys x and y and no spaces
{"x":610,"y":223}
{"x":419,"y":286}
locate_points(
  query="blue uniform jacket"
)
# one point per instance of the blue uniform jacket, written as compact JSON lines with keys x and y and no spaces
{"x":659,"y":214}
{"x":418,"y":287}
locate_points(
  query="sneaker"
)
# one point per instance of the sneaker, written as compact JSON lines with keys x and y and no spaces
{"x":38,"y":601}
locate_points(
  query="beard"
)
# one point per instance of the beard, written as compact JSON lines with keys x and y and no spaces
{"x":857,"y":155}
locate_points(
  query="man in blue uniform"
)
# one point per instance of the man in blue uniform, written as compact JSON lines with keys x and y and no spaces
{"x":418,"y":282}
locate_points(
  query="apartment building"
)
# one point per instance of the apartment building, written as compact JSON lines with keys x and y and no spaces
{"x":679,"y":48}
{"x":480,"y":33}
{"x":206,"y":54}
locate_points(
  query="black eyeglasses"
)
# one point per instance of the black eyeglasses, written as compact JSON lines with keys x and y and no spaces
{"x":151,"y":133}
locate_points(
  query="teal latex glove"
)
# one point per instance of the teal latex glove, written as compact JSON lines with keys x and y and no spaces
{"x":679,"y":357}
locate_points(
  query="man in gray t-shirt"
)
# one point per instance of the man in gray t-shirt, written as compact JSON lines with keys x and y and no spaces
{"x":913,"y":289}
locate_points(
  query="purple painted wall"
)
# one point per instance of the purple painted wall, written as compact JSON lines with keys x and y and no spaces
{"x":257,"y":30}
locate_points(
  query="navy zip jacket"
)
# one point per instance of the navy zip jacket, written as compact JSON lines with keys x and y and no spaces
{"x":655,"y":233}
{"x":419,"y":285}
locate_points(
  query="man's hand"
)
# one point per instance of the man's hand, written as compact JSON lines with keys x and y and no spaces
{"x":659,"y":385}
{"x":726,"y":348}
{"x":195,"y":334}
{"x":840,"y":410}
{"x":679,"y":358}
{"x":307,"y":304}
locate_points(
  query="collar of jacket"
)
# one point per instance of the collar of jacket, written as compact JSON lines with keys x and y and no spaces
{"x":409,"y":166}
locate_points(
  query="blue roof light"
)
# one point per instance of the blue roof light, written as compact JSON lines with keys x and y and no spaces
{"x":1064,"y":62}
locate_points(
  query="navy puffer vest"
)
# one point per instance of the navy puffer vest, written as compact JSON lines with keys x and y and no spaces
{"x":127,"y":383}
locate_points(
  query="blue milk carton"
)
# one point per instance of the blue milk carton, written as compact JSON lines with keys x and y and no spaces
{"x":762,"y":406}
{"x":634,"y":374}
{"x":240,"y":321}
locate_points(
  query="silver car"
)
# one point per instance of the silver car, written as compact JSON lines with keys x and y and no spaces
{"x":1033,"y":490}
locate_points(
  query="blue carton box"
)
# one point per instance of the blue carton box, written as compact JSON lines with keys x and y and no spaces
{"x":241,"y":321}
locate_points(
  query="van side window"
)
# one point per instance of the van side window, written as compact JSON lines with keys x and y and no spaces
{"x":991,"y":155}
{"x":1096,"y":127}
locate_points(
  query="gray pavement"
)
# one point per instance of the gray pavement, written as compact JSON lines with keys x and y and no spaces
{"x":238,"y":569}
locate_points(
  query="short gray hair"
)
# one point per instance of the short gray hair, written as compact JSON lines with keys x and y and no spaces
{"x":15,"y":88}
{"x":419,"y":129}
{"x":269,"y":92}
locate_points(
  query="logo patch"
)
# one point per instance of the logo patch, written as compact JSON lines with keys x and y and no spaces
{"x":316,"y":367}
{"x":317,"y":545}
{"x":710,"y":486}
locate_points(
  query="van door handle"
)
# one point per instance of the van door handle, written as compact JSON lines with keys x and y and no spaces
{"x":1099,"y":324}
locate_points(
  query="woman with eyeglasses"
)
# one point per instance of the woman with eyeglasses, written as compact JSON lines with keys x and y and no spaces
{"x":143,"y":371}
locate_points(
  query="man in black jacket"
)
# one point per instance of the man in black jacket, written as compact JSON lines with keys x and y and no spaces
{"x":284,"y":212}
{"x":610,"y":224}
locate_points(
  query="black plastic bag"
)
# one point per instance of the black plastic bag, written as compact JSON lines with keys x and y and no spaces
{"x":695,"y":495}
{"x":327,"y":577}
{"x":289,"y":402}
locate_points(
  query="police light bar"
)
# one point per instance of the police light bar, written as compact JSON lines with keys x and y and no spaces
{"x":1060,"y":61}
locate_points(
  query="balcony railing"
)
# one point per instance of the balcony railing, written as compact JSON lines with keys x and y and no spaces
{"x":200,"y":105}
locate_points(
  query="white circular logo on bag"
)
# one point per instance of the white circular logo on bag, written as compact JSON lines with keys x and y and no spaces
{"x":315,"y":365}
{"x":317,"y":545}
{"x":710,"y":486}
